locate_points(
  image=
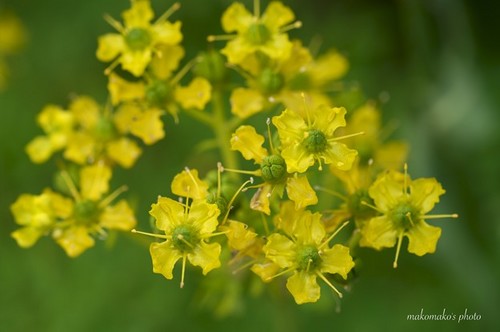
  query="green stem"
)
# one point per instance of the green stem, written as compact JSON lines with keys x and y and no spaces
{"x":222,"y":130}
{"x":200,"y":116}
{"x":353,"y":242}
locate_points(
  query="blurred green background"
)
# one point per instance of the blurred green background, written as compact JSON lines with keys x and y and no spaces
{"x":436,"y":63}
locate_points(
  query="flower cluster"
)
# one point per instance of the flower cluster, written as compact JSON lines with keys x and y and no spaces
{"x":315,"y":169}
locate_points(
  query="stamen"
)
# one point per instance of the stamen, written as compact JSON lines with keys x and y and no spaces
{"x":281,"y":273}
{"x":306,"y":108}
{"x":400,"y":240}
{"x":269,"y":136}
{"x":331,"y":192}
{"x":111,"y":197}
{"x":294,"y":25}
{"x":186,"y":207}
{"x":112,"y":66}
{"x":256,"y":8}
{"x":333,"y":139}
{"x":371,"y":206}
{"x":333,"y":235}
{"x":114,"y":23}
{"x":192,"y":177}
{"x":308,"y":264}
{"x":168,"y":13}
{"x":220,"y":169}
{"x":240,"y":171}
{"x":265,"y":223}
{"x":408,"y":215}
{"x":230,"y":204}
{"x":186,"y":242}
{"x":439,"y":216}
{"x":244,"y":266}
{"x":71,"y":186}
{"x":212,"y":38}
{"x":183,"y":269}
{"x":405,"y":183}
{"x":160,"y":236}
{"x":319,"y":274}
{"x":181,"y":73}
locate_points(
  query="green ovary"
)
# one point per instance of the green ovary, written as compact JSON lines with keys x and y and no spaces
{"x":258,"y":34}
{"x":184,"y":238}
{"x":316,"y":141}
{"x":86,"y":212}
{"x":308,"y":258}
{"x":404,"y":215}
{"x":138,"y":39}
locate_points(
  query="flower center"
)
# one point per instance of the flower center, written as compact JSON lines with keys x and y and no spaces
{"x":273,"y":168}
{"x":86,"y":212}
{"x":105,"y":129}
{"x":308,"y":258}
{"x":184,"y":238}
{"x":258,"y":34}
{"x":404,"y":215}
{"x":315,"y":141}
{"x":270,"y":81}
{"x":138,"y":39}
{"x":158,"y":93}
{"x":359,"y":210}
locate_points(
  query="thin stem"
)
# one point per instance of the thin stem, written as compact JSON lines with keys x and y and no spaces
{"x":200,"y":116}
{"x":222,"y":134}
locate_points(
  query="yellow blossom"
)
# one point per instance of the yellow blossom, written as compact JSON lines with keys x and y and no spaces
{"x":305,"y":141}
{"x":138,"y":39}
{"x":304,"y":250}
{"x":273,"y":171}
{"x":403,"y":204}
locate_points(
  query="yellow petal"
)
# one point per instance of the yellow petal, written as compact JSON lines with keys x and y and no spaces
{"x":86,"y":111}
{"x":308,"y":228}
{"x":237,"y":50}
{"x":119,"y":216}
{"x":303,"y":287}
{"x":188,"y":184}
{"x":423,"y":238}
{"x":203,"y":216}
{"x":33,"y":210}
{"x":239,"y":237}
{"x":136,"y":62}
{"x":337,"y":260}
{"x":340,"y":156}
{"x":246,"y":140}
{"x":54,"y":119}
{"x":387,"y":190}
{"x":246,"y":102}
{"x":425,"y":193}
{"x":236,"y":18}
{"x":94,"y":181}
{"x":60,"y":206}
{"x":391,"y":155}
{"x":122,"y":90}
{"x":26,"y":237}
{"x":39,"y":149}
{"x":286,"y":219}
{"x":168,"y":214}
{"x":167,"y":60}
{"x":109,"y":46}
{"x":278,"y":48}
{"x":265,"y":270}
{"x":300,"y":191}
{"x":123,"y":151}
{"x":206,"y":256}
{"x":297,"y":158}
{"x":167,"y":33}
{"x":329,"y":67}
{"x":291,"y":127}
{"x":164,"y":258}
{"x":260,"y":200}
{"x":126,"y":115}
{"x":277,"y":15}
{"x":148,"y":126}
{"x":280,"y":250}
{"x":74,"y":240}
{"x":139,"y":14}
{"x":378,"y":233}
{"x":327,"y":119}
{"x":80,"y":148}
{"x":196,"y":95}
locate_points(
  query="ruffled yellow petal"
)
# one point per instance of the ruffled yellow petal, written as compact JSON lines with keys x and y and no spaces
{"x":80,"y":148}
{"x":119,"y":216}
{"x":391,"y":155}
{"x":425,"y":193}
{"x":109,"y":46}
{"x":237,"y":50}
{"x":206,"y":256}
{"x":340,"y":156}
{"x":86,"y":111}
{"x":277,"y":15}
{"x":167,"y":33}
{"x":94,"y":181}
{"x":239,"y":237}
{"x":236,"y":18}
{"x":203,"y":216}
{"x":54,"y":119}
{"x":265,"y":270}
{"x":329,"y":67}
{"x":39,"y":149}
{"x":378,"y":233}
{"x":300,"y":191}
{"x":423,"y":238}
{"x":303,"y":287}
{"x":286,"y":219}
{"x":337,"y":260}
{"x":280,"y":250}
{"x":168,"y":214}
{"x":33,"y":210}
{"x":299,"y":58}
{"x":139,"y":14}
{"x":297,"y":158}
{"x":136,"y":62}
{"x":60,"y":206}
{"x":308,"y":228}
{"x":246,"y":140}
{"x":387,"y":190}
{"x":164,"y":257}
{"x":246,"y":102}
{"x":167,"y":60}
{"x":291,"y":127}
{"x":260,"y":200}
{"x":148,"y":126}
{"x":123,"y":151}
{"x":278,"y":48}
{"x":125,"y":116}
{"x":74,"y":240}
{"x":196,"y":95}
{"x":26,"y":237}
{"x":327,"y":119}
{"x":122,"y":90}
{"x":188,"y":184}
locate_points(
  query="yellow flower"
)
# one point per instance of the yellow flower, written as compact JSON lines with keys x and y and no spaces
{"x":256,"y":33}
{"x":188,"y":184}
{"x":306,"y":141}
{"x":273,"y":171}
{"x":73,"y":222}
{"x":404,"y":204}
{"x":304,"y":250}
{"x":187,"y":229}
{"x":138,"y":39}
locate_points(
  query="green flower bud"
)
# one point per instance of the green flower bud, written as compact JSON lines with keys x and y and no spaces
{"x":105,"y":129}
{"x":158,"y":92}
{"x":211,"y":66}
{"x":273,"y":168}
{"x":270,"y":81}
